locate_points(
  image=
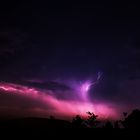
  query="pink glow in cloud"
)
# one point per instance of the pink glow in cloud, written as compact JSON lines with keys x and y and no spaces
{"x":59,"y":107}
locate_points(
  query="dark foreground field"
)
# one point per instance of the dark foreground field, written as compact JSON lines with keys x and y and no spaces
{"x":34,"y":123}
{"x":56,"y":129}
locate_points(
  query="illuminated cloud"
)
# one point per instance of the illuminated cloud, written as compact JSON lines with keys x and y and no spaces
{"x":45,"y":102}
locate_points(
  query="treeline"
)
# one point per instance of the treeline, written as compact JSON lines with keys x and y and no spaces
{"x":131,"y":120}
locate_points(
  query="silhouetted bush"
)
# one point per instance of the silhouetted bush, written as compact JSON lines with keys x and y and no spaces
{"x":92,"y":121}
{"x":132,"y":120}
{"x":78,"y":122}
{"x":116,"y":125}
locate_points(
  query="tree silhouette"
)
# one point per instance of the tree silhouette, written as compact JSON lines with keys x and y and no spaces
{"x":78,"y":121}
{"x":92,"y":120}
{"x":116,"y":125}
{"x":125,"y":114}
{"x":132,"y":120}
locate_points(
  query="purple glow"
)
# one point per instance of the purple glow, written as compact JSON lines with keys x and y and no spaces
{"x":60,"y":107}
{"x":84,"y":89}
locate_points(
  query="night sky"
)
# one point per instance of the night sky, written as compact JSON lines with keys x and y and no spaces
{"x":55,"y":47}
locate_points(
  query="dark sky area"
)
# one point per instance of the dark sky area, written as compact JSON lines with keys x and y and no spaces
{"x":73,"y":40}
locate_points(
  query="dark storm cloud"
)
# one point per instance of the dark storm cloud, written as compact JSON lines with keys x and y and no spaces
{"x":11,"y":42}
{"x":60,"y":90}
{"x":120,"y":82}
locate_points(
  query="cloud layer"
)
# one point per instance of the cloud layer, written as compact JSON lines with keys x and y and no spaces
{"x":35,"y":102}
